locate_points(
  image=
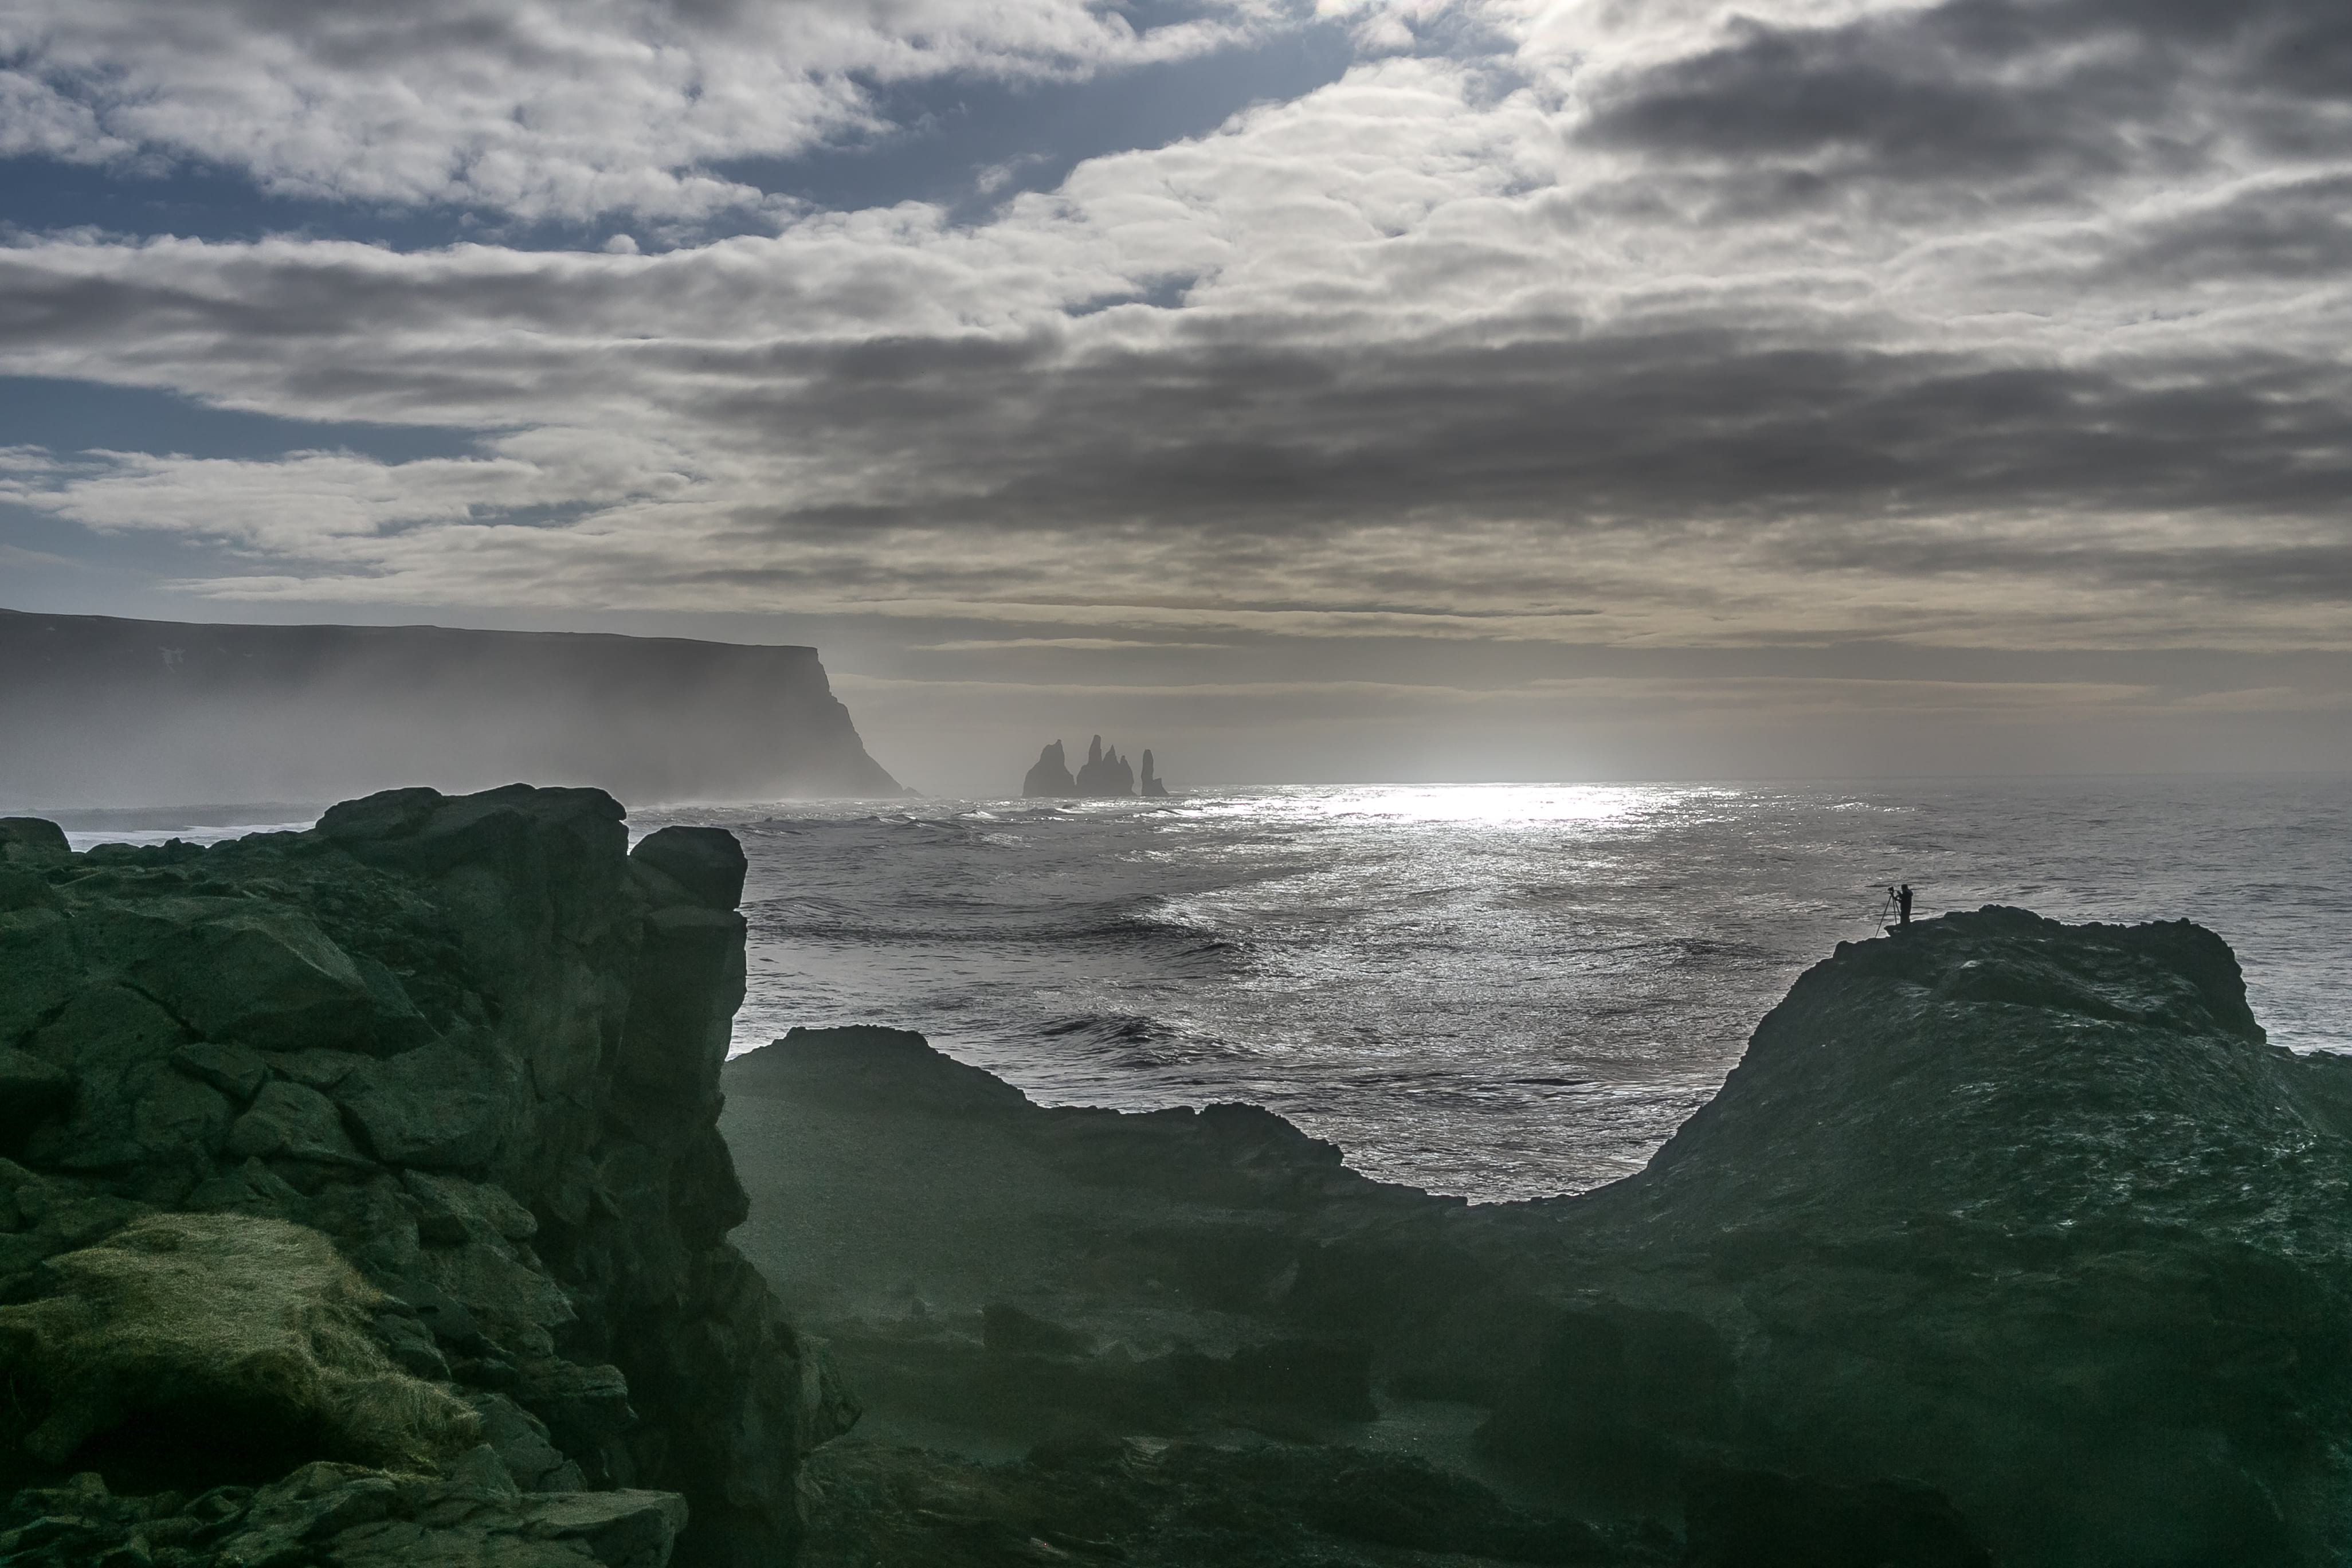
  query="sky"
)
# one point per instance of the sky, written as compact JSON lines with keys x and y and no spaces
{"x":1309,"y":390}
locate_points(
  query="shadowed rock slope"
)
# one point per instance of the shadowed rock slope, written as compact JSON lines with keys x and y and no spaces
{"x":2007,"y":1241}
{"x":362,"y":1200}
{"x":2028,"y":1210}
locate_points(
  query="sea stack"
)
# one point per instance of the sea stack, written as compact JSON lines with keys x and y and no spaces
{"x":1105,"y":773}
{"x":1050,"y":779}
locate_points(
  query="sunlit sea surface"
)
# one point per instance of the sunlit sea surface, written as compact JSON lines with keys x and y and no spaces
{"x":1500,"y":990}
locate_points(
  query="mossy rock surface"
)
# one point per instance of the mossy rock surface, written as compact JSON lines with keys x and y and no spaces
{"x":254,"y":1331}
{"x":411,"y":1122}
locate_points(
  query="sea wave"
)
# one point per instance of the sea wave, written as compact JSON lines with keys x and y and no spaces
{"x":1498,"y":990}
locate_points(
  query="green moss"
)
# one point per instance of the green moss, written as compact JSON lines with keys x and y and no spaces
{"x":252,"y":1331}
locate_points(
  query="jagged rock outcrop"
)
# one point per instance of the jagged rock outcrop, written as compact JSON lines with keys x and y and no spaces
{"x":1105,"y":773}
{"x":2028,"y":1211}
{"x":2007,"y":1241}
{"x":127,"y":713}
{"x":1050,"y":779}
{"x":437,"y":1081}
{"x":1150,"y":785}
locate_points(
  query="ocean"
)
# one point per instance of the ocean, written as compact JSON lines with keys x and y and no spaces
{"x":1497,"y":991}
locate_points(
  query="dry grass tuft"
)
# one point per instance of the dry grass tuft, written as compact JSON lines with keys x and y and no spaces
{"x":250,"y":1331}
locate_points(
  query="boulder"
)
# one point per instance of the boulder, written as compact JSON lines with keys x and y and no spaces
{"x":31,"y":840}
{"x":521,"y":1440}
{"x":706,"y":863}
{"x":444,"y":1107}
{"x":131,"y":1111}
{"x":232,"y":969}
{"x":290,"y":1123}
{"x":233,"y":1070}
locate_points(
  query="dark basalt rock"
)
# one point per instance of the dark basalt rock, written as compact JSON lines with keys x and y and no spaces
{"x":2030,"y":1213}
{"x":31,"y":839}
{"x":472,"y":1043}
{"x":1105,"y":773}
{"x":2008,"y":1240}
{"x":1050,"y":778}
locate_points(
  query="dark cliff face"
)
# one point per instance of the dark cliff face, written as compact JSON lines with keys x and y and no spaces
{"x":2006,"y":1236}
{"x":118,"y":712}
{"x":2025,"y":1210}
{"x":476,"y":1044}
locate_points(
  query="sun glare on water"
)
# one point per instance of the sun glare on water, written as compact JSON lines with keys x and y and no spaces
{"x":1498,"y":805}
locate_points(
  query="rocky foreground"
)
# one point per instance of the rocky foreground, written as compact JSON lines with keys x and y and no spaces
{"x":364,"y":1201}
{"x":2008,"y":1241}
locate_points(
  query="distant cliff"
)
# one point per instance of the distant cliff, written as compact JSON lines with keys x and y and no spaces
{"x":105,"y":713}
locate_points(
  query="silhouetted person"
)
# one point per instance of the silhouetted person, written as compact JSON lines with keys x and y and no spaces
{"x":1901,"y":904}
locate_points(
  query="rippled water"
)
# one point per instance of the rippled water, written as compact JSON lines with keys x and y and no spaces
{"x":1498,"y":990}
{"x":1494,"y":990}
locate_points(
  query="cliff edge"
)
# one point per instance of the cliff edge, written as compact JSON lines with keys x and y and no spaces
{"x":2028,"y":1210}
{"x":2007,"y":1241}
{"x":362,"y":1199}
{"x":125,"y":713}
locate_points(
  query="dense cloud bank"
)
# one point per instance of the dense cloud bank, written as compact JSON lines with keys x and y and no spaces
{"x":1985,"y":322}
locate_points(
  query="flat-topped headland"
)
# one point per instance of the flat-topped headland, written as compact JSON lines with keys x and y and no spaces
{"x":379,"y":1194}
{"x":141,"y":713}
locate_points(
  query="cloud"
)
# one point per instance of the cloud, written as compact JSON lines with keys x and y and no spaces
{"x":1063,"y":644}
{"x":1961,"y":322}
{"x":536,"y":111}
{"x":1878,"y":103}
{"x":17,"y":556}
